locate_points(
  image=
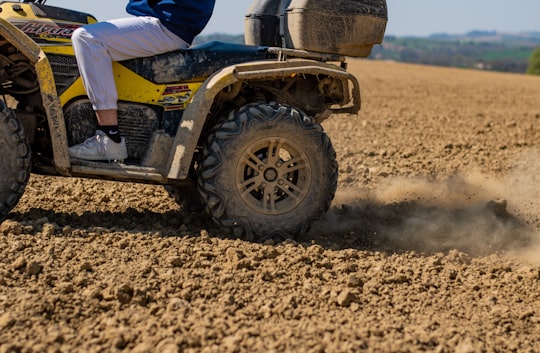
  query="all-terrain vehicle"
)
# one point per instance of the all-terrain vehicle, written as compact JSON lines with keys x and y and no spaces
{"x":231,"y":128}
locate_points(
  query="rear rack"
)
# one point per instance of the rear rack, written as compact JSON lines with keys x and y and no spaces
{"x":283,"y":53}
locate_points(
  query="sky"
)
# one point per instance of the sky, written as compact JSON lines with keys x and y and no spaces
{"x":406,"y":17}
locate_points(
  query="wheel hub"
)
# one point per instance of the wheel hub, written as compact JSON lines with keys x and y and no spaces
{"x":270,"y":175}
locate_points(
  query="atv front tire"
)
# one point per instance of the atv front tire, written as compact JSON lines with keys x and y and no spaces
{"x":268,"y":171}
{"x":14,"y":160}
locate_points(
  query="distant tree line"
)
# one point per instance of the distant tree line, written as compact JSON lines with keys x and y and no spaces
{"x":534,"y":63}
{"x":491,"y":52}
{"x":229,"y":38}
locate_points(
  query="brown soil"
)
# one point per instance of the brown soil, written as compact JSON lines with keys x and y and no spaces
{"x":432,"y":243}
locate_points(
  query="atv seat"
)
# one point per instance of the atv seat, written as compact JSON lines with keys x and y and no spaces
{"x":195,"y":62}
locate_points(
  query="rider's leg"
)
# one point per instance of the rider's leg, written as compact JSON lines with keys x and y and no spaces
{"x":97,"y":45}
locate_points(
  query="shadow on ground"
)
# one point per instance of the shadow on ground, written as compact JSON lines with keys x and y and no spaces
{"x":363,"y":225}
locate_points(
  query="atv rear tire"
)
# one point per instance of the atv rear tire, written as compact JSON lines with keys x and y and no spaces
{"x":268,"y":171}
{"x":14,"y":160}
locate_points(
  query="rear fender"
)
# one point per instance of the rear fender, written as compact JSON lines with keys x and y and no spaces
{"x":197,"y":112}
{"x":51,"y":101}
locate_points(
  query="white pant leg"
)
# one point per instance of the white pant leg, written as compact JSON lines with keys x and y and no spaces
{"x":98,"y":45}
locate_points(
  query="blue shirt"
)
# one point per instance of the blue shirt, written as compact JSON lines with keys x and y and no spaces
{"x":185,"y":18}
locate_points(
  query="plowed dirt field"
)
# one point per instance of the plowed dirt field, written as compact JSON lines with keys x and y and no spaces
{"x":432,"y":244}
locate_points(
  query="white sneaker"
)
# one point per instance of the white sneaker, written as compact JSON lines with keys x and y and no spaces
{"x":99,"y":147}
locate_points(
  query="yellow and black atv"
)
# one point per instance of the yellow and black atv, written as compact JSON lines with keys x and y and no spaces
{"x":234,"y":129}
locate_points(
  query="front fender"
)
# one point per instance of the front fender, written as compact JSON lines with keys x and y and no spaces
{"x":51,"y":101}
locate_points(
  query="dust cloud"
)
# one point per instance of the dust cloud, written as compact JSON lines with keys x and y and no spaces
{"x":470,"y":212}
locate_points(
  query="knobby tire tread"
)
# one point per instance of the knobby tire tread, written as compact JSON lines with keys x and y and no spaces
{"x":16,"y":150}
{"x":235,"y":125}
